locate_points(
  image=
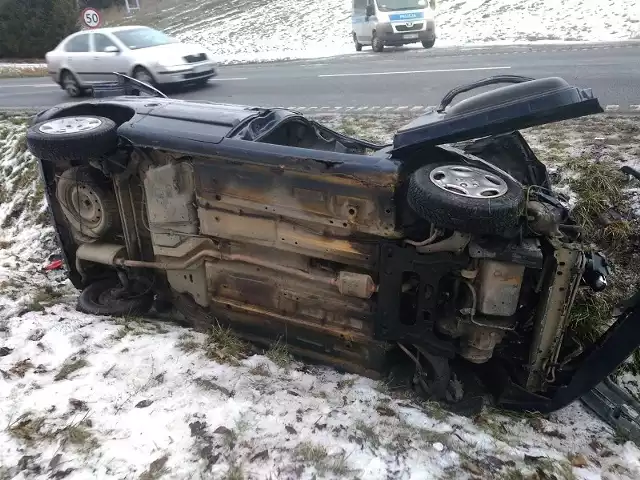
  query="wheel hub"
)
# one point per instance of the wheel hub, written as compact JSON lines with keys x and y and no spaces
{"x":87,"y":204}
{"x":66,"y":125}
{"x":470,"y":182}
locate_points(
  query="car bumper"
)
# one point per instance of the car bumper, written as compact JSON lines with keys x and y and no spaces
{"x":186,"y":73}
{"x":390,"y":35}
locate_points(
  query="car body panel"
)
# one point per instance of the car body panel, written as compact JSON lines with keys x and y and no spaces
{"x":168,"y":63}
{"x":266,"y":221}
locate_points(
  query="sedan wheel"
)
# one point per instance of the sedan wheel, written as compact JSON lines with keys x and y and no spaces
{"x":70,"y":84}
{"x":143,"y":75}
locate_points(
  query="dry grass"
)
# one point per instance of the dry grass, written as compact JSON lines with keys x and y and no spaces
{"x":224,"y":346}
{"x":17,"y":71}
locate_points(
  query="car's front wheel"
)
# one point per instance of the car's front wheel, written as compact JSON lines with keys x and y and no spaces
{"x":143,"y":75}
{"x":467,"y":198}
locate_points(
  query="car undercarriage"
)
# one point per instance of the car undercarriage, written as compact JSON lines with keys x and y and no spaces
{"x":447,"y":247}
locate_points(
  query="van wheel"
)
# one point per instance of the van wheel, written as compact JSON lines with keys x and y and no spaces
{"x":428,"y":43}
{"x":377,"y":44}
{"x":356,"y":43}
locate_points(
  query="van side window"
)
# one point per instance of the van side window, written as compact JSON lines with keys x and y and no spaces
{"x":359,"y":4}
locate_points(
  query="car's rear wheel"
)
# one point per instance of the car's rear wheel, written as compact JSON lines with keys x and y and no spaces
{"x":376,"y":43}
{"x":109,"y":298}
{"x":466,"y":198}
{"x":428,"y":43}
{"x":87,"y":202}
{"x":357,"y":44}
{"x":73,"y":139}
{"x":70,"y":84}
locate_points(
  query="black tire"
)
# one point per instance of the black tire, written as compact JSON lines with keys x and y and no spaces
{"x":143,"y":72}
{"x":99,"y":299}
{"x":75,"y":146}
{"x":357,"y":44}
{"x":428,"y":43}
{"x":87,"y":202}
{"x":71,"y":84}
{"x":483,"y":216}
{"x":376,"y":44}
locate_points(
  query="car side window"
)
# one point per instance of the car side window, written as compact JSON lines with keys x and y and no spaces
{"x":101,"y":41}
{"x":78,"y":44}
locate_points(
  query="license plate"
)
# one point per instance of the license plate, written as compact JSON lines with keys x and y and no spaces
{"x":410,"y":36}
{"x":200,"y":68}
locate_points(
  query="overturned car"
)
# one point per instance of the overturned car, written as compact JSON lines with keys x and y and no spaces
{"x":447,"y":247}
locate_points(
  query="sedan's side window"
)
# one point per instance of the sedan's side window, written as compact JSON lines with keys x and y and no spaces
{"x":101,"y":42}
{"x":78,"y":44}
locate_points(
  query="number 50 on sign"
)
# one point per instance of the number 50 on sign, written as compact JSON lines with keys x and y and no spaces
{"x":91,"y":18}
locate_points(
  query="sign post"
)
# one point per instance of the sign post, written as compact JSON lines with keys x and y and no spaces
{"x":90,"y":18}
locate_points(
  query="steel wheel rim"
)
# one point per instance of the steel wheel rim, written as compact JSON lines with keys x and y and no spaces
{"x":470,"y":182}
{"x":69,"y":125}
{"x":87,"y":205}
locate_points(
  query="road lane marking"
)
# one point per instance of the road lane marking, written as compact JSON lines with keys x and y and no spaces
{"x":216,"y":79}
{"x":404,"y":72}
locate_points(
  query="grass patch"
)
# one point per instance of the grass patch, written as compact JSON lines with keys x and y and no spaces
{"x":69,"y":367}
{"x":32,"y":430}
{"x":316,"y":456}
{"x":261,"y":369}
{"x":21,"y":368}
{"x":188,"y":343}
{"x":279,"y":354}
{"x":224,"y":346}
{"x":43,"y":299}
{"x":22,"y":72}
{"x":235,"y":472}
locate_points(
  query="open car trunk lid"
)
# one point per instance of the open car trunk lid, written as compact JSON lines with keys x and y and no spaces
{"x":514,"y":107}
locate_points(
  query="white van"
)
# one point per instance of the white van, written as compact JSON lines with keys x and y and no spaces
{"x":393,"y":23}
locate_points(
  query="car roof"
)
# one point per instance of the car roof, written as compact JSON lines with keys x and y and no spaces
{"x":110,"y":29}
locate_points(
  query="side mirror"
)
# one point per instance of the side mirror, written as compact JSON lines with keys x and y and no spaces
{"x":111,"y":49}
{"x":370,"y":11}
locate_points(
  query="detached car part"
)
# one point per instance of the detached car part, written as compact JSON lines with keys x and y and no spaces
{"x":262,"y":219}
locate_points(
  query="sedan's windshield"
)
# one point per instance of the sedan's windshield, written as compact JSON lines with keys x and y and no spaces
{"x":394,"y":5}
{"x":136,"y":38}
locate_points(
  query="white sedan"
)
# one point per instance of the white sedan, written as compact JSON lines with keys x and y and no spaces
{"x":91,"y":56}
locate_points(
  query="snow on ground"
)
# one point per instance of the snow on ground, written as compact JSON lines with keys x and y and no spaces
{"x":18,"y":70}
{"x":86,"y":397}
{"x":258,"y":30}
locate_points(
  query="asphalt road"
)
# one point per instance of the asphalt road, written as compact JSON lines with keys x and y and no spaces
{"x":397,"y":79}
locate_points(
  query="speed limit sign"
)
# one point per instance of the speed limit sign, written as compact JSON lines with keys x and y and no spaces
{"x":91,"y":18}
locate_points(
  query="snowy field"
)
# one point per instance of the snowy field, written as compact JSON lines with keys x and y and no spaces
{"x":258,"y":30}
{"x":83,"y":397}
{"x":237,"y":31}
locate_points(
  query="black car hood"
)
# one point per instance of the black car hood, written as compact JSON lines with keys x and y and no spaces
{"x":497,"y":111}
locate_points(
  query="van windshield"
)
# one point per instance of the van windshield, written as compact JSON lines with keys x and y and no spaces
{"x":395,"y":5}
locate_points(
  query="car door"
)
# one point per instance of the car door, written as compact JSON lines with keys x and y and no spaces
{"x":368,"y":24}
{"x":78,"y":58}
{"x":108,"y":57}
